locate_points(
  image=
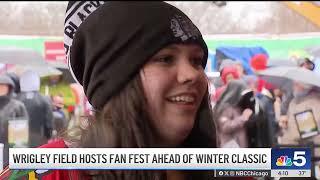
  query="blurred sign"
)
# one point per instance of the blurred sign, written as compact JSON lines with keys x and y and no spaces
{"x":54,"y":52}
{"x":18,"y":133}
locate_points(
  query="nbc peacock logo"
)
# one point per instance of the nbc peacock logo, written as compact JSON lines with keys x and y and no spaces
{"x":284,"y":161}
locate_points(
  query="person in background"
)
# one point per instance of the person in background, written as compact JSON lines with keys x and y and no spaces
{"x":10,"y":109}
{"x":241,"y":71}
{"x":16,"y":81}
{"x":266,"y":97}
{"x":217,"y":81}
{"x":306,"y":97}
{"x":229,"y":69}
{"x":259,"y":62}
{"x":288,"y":93}
{"x":306,"y":63}
{"x":230,"y":118}
{"x":267,"y":101}
{"x":304,"y":106}
{"x":228,"y":73}
{"x":60,"y":121}
{"x":38,"y":107}
{"x":226,"y":63}
{"x":252,"y":82}
{"x":278,"y":94}
{"x":236,"y":63}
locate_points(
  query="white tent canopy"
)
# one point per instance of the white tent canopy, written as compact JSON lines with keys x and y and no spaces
{"x":25,"y":59}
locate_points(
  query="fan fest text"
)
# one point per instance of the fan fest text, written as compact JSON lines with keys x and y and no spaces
{"x":139,"y":158}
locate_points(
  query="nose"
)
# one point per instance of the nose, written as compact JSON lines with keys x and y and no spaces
{"x":187,"y":73}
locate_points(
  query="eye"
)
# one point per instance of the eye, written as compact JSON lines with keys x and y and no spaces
{"x":166,"y":59}
{"x":197,"y":61}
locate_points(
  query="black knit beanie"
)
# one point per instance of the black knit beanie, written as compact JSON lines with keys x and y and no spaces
{"x":107,"y":43}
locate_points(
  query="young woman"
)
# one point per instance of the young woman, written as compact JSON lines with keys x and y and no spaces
{"x":141,"y":65}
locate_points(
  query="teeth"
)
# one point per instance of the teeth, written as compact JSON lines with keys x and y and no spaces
{"x":182,"y":99}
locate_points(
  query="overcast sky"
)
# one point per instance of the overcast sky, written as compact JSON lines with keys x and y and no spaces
{"x":47,"y":18}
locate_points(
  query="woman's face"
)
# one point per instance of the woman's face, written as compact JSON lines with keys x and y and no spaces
{"x":174,"y":83}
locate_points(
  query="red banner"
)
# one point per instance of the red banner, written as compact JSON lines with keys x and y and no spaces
{"x":54,"y":52}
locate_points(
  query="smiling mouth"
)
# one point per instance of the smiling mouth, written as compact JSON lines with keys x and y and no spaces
{"x":187,"y":99}
{"x":183,"y":99}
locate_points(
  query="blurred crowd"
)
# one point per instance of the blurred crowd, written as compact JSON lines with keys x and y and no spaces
{"x":252,"y":111}
{"x":248,"y":110}
{"x":24,"y":111}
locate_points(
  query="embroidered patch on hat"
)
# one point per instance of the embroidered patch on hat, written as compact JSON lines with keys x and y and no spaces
{"x":183,"y":28}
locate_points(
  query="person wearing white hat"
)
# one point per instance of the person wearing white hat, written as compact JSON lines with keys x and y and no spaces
{"x":38,"y":107}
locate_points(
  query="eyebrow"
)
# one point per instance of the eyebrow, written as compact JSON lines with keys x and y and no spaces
{"x":194,"y":49}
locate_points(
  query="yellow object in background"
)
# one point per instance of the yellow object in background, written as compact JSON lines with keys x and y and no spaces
{"x":62,"y":87}
{"x":32,"y":176}
{"x":306,"y":9}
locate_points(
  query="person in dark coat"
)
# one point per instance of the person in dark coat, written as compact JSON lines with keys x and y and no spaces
{"x":267,"y":99}
{"x":10,"y":109}
{"x":38,"y":107}
{"x":267,"y":127}
{"x":258,"y":128}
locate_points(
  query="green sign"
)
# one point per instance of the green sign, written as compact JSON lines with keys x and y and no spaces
{"x":36,"y":43}
{"x":277,"y":48}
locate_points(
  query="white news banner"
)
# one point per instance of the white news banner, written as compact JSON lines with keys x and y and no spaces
{"x":141,"y":158}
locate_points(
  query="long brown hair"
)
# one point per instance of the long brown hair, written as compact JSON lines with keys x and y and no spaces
{"x":123,"y":123}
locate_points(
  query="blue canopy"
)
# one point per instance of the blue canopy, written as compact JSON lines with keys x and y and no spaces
{"x":242,"y":54}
